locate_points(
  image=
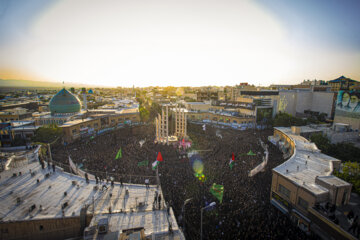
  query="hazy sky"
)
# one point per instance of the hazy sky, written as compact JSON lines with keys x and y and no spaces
{"x":168,"y":42}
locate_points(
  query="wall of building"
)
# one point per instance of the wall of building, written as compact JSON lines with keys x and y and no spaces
{"x":197,"y":107}
{"x":296,"y":102}
{"x":323,"y":102}
{"x":114,"y":120}
{"x":43,"y":229}
{"x":219,"y":118}
{"x":348,"y":108}
{"x":40,"y":121}
{"x":287,"y":102}
{"x":73,"y":132}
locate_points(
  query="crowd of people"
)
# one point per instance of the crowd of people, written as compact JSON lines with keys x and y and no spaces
{"x":245,"y":211}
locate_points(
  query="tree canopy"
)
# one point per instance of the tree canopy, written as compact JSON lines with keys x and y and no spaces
{"x":342,"y":151}
{"x":351,"y":174}
{"x":47,"y":134}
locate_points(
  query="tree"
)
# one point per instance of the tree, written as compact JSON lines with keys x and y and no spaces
{"x":144,"y":114}
{"x":287,"y":120}
{"x":47,"y":134}
{"x":155,"y":108}
{"x":322,"y":142}
{"x":351,"y":173}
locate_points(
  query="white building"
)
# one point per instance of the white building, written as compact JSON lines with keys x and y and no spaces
{"x":298,"y":102}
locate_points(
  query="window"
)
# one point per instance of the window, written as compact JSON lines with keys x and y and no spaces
{"x":74,"y":131}
{"x":302,"y":203}
{"x":96,"y":125}
{"x":283,"y":190}
{"x":41,"y":227}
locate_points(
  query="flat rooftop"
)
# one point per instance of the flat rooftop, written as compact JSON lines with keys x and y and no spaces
{"x":154,"y":223}
{"x":333,"y":180}
{"x":196,"y":103}
{"x":49,"y":193}
{"x":306,"y":164}
{"x":76,"y":121}
{"x":115,"y":111}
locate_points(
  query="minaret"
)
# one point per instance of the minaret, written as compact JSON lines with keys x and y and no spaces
{"x":84,"y":98}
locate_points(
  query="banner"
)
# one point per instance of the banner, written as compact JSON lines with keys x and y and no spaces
{"x":217,"y":191}
{"x":143,"y":163}
{"x":78,"y":171}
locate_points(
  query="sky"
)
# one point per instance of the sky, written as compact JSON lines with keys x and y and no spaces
{"x":179,"y":43}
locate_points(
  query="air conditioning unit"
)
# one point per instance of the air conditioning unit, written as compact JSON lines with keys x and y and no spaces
{"x":103,"y":225}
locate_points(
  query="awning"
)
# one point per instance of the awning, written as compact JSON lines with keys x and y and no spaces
{"x":301,"y":215}
{"x":279,"y":206}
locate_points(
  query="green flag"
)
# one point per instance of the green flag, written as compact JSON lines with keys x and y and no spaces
{"x":250,"y":153}
{"x":143,"y":163}
{"x":155,"y":164}
{"x":217,"y":191}
{"x":119,"y":154}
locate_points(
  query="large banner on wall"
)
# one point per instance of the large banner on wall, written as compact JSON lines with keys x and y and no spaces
{"x":348,"y":104}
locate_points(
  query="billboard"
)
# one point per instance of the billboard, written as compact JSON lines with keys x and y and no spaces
{"x":348,"y":104}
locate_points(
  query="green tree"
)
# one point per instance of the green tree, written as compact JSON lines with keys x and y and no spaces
{"x":322,"y":142}
{"x":144,"y":114}
{"x":155,"y":108}
{"x":351,"y":174}
{"x":47,"y":134}
{"x":287,"y":120}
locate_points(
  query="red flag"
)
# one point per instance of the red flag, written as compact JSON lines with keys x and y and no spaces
{"x":159,"y":157}
{"x":233,"y":157}
{"x":183,"y":140}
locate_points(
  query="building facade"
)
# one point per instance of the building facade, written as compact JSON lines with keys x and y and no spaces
{"x":299,"y":103}
{"x":305,"y":183}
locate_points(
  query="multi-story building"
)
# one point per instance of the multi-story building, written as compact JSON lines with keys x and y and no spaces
{"x":300,"y":103}
{"x":16,"y":132}
{"x":305,"y":189}
{"x":221,"y":116}
{"x":198,"y":106}
{"x":42,"y":204}
{"x":95,"y":121}
{"x":207,"y":96}
{"x":14,"y":114}
{"x":30,"y":105}
{"x":343,"y":83}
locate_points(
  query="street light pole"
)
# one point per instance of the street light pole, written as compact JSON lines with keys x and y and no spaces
{"x":183,"y":211}
{"x":201,"y":217}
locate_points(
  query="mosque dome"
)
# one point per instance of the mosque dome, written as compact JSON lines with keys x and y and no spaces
{"x":64,"y":102}
{"x":90,"y":91}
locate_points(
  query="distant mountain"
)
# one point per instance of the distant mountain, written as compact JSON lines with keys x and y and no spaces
{"x":30,"y":83}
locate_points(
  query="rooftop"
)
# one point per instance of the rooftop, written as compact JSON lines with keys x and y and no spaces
{"x":332,"y":180}
{"x":342,"y":78}
{"x":49,"y":193}
{"x":76,"y":121}
{"x":306,"y":164}
{"x":153,"y":222}
{"x":196,"y":103}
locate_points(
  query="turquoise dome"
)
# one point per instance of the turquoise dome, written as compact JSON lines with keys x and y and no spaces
{"x":64,"y":102}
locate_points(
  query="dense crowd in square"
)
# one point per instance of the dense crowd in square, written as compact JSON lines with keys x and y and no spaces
{"x":245,"y":211}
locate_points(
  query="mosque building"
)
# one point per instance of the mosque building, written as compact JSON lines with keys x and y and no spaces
{"x":64,"y":106}
{"x":67,"y":111}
